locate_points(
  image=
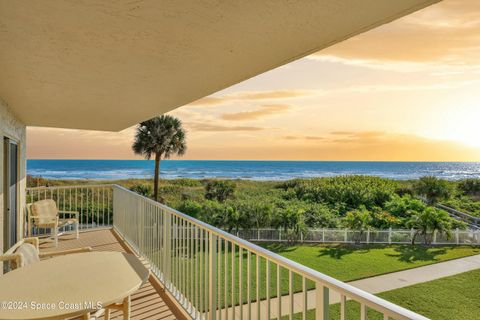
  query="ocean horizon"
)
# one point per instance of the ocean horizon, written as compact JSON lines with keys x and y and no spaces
{"x":246,"y":169}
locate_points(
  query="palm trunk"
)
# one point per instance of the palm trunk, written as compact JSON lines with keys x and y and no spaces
{"x":156,"y":177}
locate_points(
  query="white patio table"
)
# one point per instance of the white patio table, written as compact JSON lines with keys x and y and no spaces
{"x":71,"y":285}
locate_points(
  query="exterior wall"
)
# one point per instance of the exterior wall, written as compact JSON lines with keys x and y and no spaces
{"x":14,"y":129}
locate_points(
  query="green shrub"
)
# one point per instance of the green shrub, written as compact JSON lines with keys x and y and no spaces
{"x":351,"y":191}
{"x":433,"y":188}
{"x":319,"y":215}
{"x":404,"y":207}
{"x":143,"y":189}
{"x":469,"y":186}
{"x":190,"y":207}
{"x":219,"y":190}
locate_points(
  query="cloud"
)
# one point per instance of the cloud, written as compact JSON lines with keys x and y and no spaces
{"x":264,"y":110}
{"x":311,"y":138}
{"x":200,"y":126}
{"x":361,"y":137}
{"x":447,"y":33}
{"x":208,"y":101}
{"x":250,"y":96}
{"x":268,"y":95}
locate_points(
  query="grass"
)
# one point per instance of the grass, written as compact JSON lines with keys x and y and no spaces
{"x":347,"y":262}
{"x":452,"y":298}
{"x":342,"y":262}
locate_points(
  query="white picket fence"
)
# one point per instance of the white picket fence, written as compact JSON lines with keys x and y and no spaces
{"x":389,"y":236}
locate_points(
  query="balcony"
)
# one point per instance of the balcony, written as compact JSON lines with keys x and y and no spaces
{"x":150,"y":302}
{"x":199,"y":271}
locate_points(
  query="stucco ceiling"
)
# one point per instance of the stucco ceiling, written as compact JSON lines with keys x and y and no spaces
{"x":107,"y":65}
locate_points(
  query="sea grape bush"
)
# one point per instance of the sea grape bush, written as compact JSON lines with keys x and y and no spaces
{"x":219,"y":190}
{"x":350,"y":191}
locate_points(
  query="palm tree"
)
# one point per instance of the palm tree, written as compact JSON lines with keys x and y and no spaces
{"x":160,"y":137}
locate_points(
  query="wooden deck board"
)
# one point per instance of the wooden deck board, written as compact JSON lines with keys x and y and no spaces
{"x":147,"y":303}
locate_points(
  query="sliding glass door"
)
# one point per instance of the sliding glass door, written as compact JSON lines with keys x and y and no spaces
{"x":10,"y":222}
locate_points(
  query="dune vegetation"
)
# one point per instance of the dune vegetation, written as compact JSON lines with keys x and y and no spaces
{"x":355,"y":202}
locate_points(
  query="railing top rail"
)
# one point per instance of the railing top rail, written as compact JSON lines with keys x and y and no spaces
{"x":70,"y":187}
{"x":350,"y":291}
{"x":460,"y":213}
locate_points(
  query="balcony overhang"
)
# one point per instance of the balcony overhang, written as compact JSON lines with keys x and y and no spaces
{"x":107,"y":65}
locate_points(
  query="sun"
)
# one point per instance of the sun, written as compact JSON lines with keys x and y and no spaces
{"x":463,"y":125}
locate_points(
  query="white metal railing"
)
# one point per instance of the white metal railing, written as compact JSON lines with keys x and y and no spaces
{"x":215,"y":275}
{"x":388,"y":236}
{"x":94,"y":203}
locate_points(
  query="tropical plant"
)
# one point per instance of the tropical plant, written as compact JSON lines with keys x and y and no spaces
{"x":429,"y":221}
{"x":219,"y":190}
{"x":402,"y":208}
{"x":469,"y":186}
{"x":433,"y":189}
{"x":382,"y":219}
{"x":290,"y":218}
{"x":143,"y":189}
{"x":160,"y":137}
{"x":359,"y":221}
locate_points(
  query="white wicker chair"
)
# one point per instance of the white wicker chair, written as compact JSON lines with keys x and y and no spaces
{"x":45,"y":214}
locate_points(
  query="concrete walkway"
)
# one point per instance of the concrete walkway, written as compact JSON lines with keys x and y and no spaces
{"x":373,"y":285}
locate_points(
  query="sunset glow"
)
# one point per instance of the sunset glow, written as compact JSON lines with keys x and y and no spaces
{"x":409,"y":90}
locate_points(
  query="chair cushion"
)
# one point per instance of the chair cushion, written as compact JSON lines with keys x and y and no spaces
{"x":29,"y":253}
{"x":44,"y":211}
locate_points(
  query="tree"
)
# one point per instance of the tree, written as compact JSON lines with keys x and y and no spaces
{"x":358,"y":220}
{"x":291,"y":218}
{"x":433,"y":188}
{"x":161,"y":138}
{"x":429,"y":220}
{"x":219,"y":190}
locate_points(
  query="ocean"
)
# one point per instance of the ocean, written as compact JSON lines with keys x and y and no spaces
{"x":254,"y":170}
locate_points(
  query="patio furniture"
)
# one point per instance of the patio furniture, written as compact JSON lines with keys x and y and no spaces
{"x":86,"y":282}
{"x":45,"y":214}
{"x":26,"y":252}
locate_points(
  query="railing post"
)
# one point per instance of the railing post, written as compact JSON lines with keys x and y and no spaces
{"x":457,"y":241}
{"x":322,"y":302}
{"x":166,"y":247}
{"x":280,"y":235}
{"x":434,"y":241}
{"x":368,"y":236}
{"x":212,"y":279}
{"x":345,"y":236}
{"x":478,"y":237}
{"x":390,"y":235}
{"x":258,"y":234}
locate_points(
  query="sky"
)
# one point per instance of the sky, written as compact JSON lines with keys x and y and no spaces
{"x":406,"y":91}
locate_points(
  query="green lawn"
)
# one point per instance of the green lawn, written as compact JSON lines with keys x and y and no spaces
{"x":347,"y":263}
{"x":343,"y":262}
{"x":452,"y":298}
